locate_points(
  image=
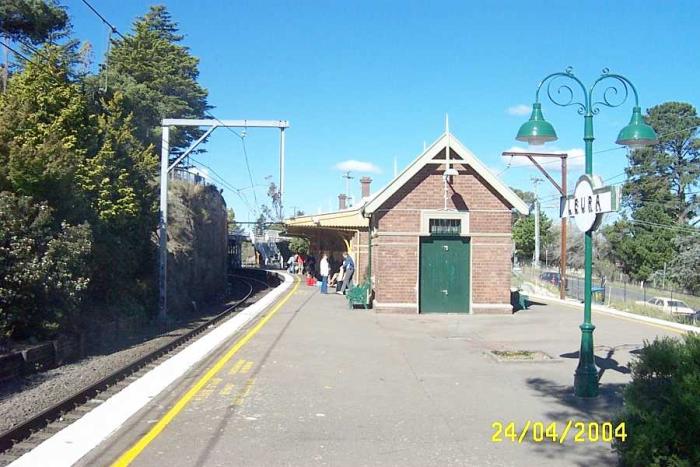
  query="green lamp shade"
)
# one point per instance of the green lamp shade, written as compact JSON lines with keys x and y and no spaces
{"x":537,"y":130}
{"x":637,"y":133}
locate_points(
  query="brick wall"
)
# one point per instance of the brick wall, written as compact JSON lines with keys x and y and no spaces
{"x":396,"y":246}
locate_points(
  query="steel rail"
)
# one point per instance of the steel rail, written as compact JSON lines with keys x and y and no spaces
{"x":37,"y":422}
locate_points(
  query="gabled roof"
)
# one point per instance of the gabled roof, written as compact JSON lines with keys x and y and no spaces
{"x":466,"y":157}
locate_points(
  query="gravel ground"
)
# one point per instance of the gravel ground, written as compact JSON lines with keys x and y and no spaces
{"x":27,"y":396}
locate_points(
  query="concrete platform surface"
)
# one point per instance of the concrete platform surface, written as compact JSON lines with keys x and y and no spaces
{"x":324,"y":385}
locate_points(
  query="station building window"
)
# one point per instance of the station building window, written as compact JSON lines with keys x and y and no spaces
{"x":445,"y":227}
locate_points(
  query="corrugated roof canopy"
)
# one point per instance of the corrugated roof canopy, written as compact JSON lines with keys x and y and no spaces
{"x":347,"y":218}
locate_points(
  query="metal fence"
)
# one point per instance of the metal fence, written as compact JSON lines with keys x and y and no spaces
{"x":625,"y":295}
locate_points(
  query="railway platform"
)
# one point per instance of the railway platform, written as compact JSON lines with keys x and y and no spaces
{"x":313,"y":383}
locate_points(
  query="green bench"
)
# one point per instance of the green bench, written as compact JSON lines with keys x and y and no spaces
{"x":359,"y":295}
{"x":519,"y":299}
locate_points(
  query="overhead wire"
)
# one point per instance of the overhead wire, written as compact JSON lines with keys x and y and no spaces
{"x":19,"y":54}
{"x":220,"y":179}
{"x":245,"y":152}
{"x":616,"y":148}
{"x":104,"y":20}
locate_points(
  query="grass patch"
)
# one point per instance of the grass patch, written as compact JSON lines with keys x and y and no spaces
{"x":519,"y":355}
{"x":642,"y":310}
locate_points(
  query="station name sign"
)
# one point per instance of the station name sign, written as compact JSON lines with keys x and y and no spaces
{"x":590,"y":201}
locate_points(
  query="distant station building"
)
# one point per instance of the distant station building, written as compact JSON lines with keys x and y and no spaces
{"x":438,"y":235}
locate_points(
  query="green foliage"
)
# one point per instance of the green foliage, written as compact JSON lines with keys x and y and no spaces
{"x":662,"y":405}
{"x":158,"y":78}
{"x":35,"y":20}
{"x":43,"y":271}
{"x":78,"y":210}
{"x":116,"y":180}
{"x":663,"y":174}
{"x":527,"y":196}
{"x":45,"y":133}
{"x":117,"y":183}
{"x":299,"y":245}
{"x":524,"y":234}
{"x":661,"y":204}
{"x":640,"y":246}
{"x":276,"y":199}
{"x":684,"y":268}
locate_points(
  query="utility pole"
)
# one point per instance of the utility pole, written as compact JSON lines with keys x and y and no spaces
{"x":563,"y":191}
{"x":536,"y":260}
{"x":6,"y":66}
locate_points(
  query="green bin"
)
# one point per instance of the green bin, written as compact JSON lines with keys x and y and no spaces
{"x":598,"y":294}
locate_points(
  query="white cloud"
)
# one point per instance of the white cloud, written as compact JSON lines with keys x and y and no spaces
{"x":519,"y":110}
{"x":352,"y":165}
{"x":576,"y":159}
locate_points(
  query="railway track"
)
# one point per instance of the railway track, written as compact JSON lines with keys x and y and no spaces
{"x":30,"y":433}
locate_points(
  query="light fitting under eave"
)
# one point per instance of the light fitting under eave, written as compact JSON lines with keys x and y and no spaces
{"x":637,"y":134}
{"x":536,"y":130}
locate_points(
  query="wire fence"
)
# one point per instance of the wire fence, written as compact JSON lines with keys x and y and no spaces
{"x":642,"y":298}
{"x":185,"y":175}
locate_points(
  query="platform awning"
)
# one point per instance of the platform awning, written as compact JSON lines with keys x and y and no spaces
{"x":345,"y":219}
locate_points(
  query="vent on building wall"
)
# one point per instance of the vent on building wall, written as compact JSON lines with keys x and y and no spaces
{"x":450,"y":227}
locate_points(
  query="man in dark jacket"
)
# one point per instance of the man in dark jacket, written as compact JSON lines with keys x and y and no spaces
{"x":349,"y":267}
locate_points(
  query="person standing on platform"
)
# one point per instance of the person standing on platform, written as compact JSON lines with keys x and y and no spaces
{"x":300,"y":264}
{"x":291,"y":263}
{"x":349,"y":267}
{"x":324,"y":270}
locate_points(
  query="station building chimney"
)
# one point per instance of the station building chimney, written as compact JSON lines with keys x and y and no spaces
{"x":365,"y":183}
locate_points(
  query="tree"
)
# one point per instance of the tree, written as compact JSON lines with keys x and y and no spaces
{"x":45,"y":134}
{"x":658,"y":193}
{"x":276,"y":199}
{"x":43,"y":271}
{"x":299,"y":245}
{"x":643,"y":244}
{"x":684,"y":268}
{"x":664,"y":174}
{"x":117,"y":183}
{"x":33,"y":20}
{"x":527,"y":196}
{"x":158,"y":77}
{"x":524,"y":234}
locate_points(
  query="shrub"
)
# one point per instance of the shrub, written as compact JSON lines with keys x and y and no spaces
{"x":43,"y":268}
{"x":662,"y":405}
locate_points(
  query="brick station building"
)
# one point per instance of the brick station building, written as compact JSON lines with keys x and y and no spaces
{"x":440,"y":235}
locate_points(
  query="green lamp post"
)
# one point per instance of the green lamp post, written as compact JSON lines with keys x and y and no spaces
{"x":636,"y":134}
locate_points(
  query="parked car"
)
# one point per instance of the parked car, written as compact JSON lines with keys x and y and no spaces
{"x":553,"y":278}
{"x":669,"y":305}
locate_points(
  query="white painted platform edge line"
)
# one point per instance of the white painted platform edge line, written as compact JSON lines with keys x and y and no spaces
{"x":72,"y":443}
{"x":624,"y":314}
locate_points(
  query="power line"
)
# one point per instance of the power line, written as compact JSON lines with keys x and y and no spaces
{"x":19,"y":54}
{"x":250,"y":174}
{"x":617,"y":148}
{"x":218,"y":178}
{"x":245,"y":153}
{"x":104,"y":20}
{"x":677,"y":228}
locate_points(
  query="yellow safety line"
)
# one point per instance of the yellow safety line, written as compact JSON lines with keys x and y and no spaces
{"x":133,"y":452}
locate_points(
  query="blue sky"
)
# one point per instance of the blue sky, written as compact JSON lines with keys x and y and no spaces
{"x":371,"y":81}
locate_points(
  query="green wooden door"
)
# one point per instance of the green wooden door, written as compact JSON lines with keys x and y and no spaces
{"x":444,"y":275}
